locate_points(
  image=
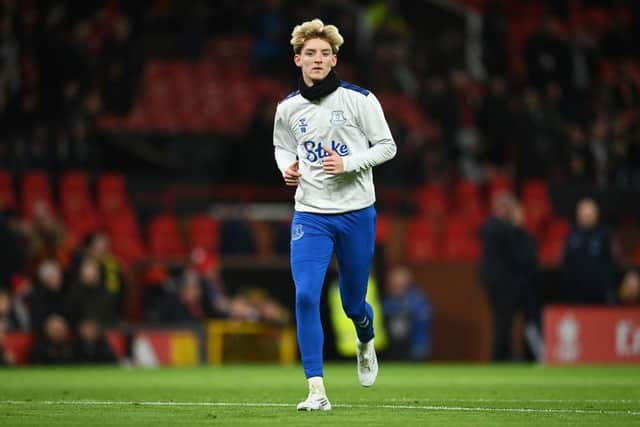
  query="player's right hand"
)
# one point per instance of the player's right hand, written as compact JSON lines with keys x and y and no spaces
{"x":291,"y":175}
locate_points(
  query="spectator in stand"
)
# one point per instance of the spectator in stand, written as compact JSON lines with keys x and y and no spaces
{"x":252,"y":305}
{"x":237,"y":238}
{"x":7,"y":314}
{"x":494,"y":38}
{"x":625,"y":91}
{"x":588,"y":263}
{"x":48,"y":295}
{"x":408,"y":316}
{"x":537,"y":137}
{"x":547,"y":56}
{"x":580,"y":161}
{"x":155,"y":282}
{"x":88,"y":298}
{"x":113,"y":277}
{"x":13,"y":246}
{"x":185,"y":306}
{"x":497,"y":272}
{"x":270,"y":33}
{"x":215,"y":302}
{"x":6,"y":356}
{"x":262,"y":306}
{"x":47,"y":236}
{"x":55,"y":346}
{"x":21,"y":301}
{"x":252,"y":150}
{"x":616,"y":41}
{"x":494,"y":112}
{"x":91,"y":345}
{"x":525,"y":269}
{"x":585,"y":58}
{"x":440,"y":102}
{"x":629,"y":289}
{"x":119,"y":69}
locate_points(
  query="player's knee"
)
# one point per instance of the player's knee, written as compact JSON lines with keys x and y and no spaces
{"x":305,"y":298}
{"x":354,"y":313}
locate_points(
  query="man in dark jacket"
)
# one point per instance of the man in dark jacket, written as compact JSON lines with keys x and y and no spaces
{"x":55,"y":346}
{"x":6,"y":356}
{"x":89,"y":298}
{"x":92,"y":346}
{"x":497,"y":272}
{"x":48,"y":295}
{"x":588,"y":263}
{"x":185,"y":306}
{"x":525,"y":276}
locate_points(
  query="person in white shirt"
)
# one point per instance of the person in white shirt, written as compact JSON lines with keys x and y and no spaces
{"x":328,"y":135}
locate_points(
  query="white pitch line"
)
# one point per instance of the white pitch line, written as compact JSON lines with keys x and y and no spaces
{"x":360,"y":406}
{"x":480,"y":399}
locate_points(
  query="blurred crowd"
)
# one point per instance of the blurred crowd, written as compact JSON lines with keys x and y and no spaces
{"x":591,"y":271}
{"x":63,"y":64}
{"x":67,"y":295}
{"x":560,"y":105}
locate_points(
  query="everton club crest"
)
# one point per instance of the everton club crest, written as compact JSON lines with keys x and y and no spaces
{"x":337,"y":118}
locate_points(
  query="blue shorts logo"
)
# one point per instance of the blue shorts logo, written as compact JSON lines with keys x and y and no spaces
{"x":315,"y":151}
{"x":297,"y":232}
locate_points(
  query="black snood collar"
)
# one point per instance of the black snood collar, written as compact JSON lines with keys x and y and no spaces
{"x":320,"y":89}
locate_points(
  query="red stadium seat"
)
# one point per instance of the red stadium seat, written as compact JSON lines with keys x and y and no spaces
{"x":460,"y":248}
{"x":558,"y":227}
{"x":535,"y":189}
{"x":203,"y":231}
{"x":35,"y":190}
{"x":76,"y":205}
{"x":554,"y":241}
{"x":421,"y":241}
{"x":19,"y":344}
{"x":460,"y":240}
{"x":551,"y":251}
{"x":112,"y":194}
{"x":74,"y":181}
{"x":467,"y":191}
{"x":164,"y":237}
{"x":457,"y":224}
{"x":129,"y":248}
{"x":7,"y":193}
{"x":122,"y":222}
{"x":537,"y":205}
{"x":124,"y":233}
{"x":111,"y":182}
{"x":499,"y":183}
{"x":432,"y":201}
{"x":80,"y":218}
{"x":382,"y":228}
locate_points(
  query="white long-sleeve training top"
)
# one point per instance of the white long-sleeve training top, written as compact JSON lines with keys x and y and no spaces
{"x":351,"y":122}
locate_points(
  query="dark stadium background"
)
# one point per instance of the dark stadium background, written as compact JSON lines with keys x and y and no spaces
{"x":172,"y":102}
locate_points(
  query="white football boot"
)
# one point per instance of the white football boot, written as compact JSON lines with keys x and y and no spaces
{"x":317,"y":399}
{"x":367,"y":363}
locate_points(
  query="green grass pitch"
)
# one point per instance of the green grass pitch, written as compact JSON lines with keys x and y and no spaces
{"x":404,"y":395}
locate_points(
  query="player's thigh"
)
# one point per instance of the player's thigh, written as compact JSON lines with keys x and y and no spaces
{"x":312,"y":246}
{"x":355,"y":244}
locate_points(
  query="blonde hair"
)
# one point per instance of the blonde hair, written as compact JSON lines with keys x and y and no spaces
{"x":315,"y":30}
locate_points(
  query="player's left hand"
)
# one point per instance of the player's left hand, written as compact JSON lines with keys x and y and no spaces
{"x":333,"y":164}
